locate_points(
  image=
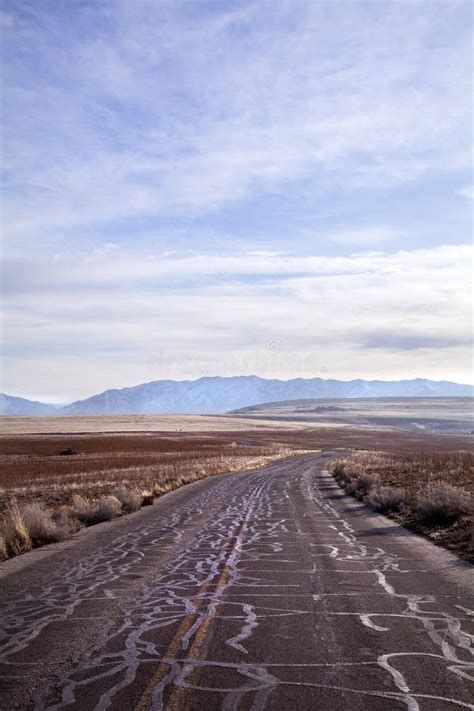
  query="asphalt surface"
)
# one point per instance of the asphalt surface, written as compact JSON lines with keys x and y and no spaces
{"x":260,"y":590}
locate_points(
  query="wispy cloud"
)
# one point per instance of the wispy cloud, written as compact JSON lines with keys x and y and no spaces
{"x":173,"y":110}
{"x":370,"y":237}
{"x":202,"y":177}
{"x":467,"y":192}
{"x":340,"y":312}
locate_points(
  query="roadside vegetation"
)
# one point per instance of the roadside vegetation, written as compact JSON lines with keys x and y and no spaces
{"x":52,"y":485}
{"x":431,"y":494}
{"x":30,"y":525}
{"x":48,"y":493}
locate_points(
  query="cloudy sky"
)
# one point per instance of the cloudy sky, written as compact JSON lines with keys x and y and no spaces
{"x":205,"y":187}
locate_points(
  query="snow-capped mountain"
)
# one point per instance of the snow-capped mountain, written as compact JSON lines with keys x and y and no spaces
{"x":222,"y":394}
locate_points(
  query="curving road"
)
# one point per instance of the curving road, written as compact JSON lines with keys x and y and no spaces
{"x":260,"y":590}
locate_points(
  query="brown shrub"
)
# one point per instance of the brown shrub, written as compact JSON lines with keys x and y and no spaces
{"x":340,"y":472}
{"x":413,"y":471}
{"x":3,"y":548}
{"x":108,"y":507}
{"x":386,"y":499}
{"x":82,"y":508}
{"x":41,"y":527}
{"x":364,"y":484}
{"x":92,"y":512}
{"x":17,"y":538}
{"x":442,"y":504}
{"x":354,"y":480}
{"x":147,"y":497}
{"x":64,"y":518}
{"x":130,"y":499}
{"x":338,"y":468}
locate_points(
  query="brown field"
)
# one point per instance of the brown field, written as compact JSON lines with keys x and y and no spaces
{"x":417,"y":470}
{"x":52,"y":485}
{"x":31,"y":467}
{"x":152,"y":455}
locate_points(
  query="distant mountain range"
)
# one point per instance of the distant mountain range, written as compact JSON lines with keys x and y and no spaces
{"x":10,"y":405}
{"x":221,"y":394}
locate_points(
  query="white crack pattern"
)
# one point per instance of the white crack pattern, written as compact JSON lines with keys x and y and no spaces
{"x":247,"y":538}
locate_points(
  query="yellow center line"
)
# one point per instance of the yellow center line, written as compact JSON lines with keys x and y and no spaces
{"x":171,"y":652}
{"x":175,"y":644}
{"x":180,"y":695}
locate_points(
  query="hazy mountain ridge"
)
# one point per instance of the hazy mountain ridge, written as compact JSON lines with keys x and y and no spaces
{"x":10,"y":405}
{"x":221,"y":394}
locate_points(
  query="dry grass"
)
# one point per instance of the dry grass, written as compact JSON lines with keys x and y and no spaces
{"x":15,"y":532}
{"x":137,"y":467}
{"x":3,"y":548}
{"x":387,"y":499}
{"x":432,"y":494}
{"x":32,"y":469}
{"x":415,"y":470}
{"x":46,"y":496}
{"x":90,"y":512}
{"x":80,"y":424}
{"x":442,"y":504}
{"x":362,"y":484}
{"x":130,"y":499}
{"x":41,"y":526}
{"x":32,"y":525}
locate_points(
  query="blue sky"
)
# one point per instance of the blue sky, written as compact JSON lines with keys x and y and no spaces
{"x":195,"y":188}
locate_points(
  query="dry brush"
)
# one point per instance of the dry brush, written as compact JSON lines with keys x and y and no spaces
{"x":86,"y":490}
{"x":430,"y":494}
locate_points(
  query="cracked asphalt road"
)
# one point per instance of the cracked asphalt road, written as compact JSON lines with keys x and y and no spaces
{"x":259,"y":590}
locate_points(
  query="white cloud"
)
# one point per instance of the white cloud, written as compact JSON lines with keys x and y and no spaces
{"x":375,"y":315}
{"x":123,"y":118}
{"x":191,"y":114}
{"x":467,"y":192}
{"x":263,"y":253}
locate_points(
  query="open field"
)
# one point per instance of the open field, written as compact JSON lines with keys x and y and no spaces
{"x":416,"y":470}
{"x":92,"y":476}
{"x":33,"y":468}
{"x":83,"y":424}
{"x":453,"y":415}
{"x":51,"y":486}
{"x":439,"y":415}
